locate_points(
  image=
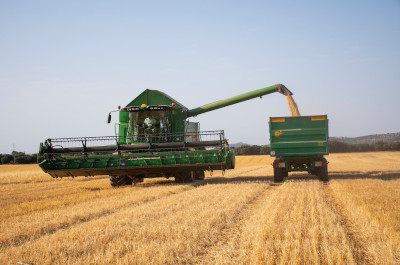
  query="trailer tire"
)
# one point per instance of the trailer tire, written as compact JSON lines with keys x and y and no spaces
{"x":323,"y":174}
{"x":285,"y":173}
{"x":117,"y":181}
{"x":278,"y":175}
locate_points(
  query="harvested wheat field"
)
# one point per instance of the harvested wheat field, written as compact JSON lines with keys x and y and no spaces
{"x":241,"y":217}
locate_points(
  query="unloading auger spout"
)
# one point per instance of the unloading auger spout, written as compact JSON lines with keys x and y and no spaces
{"x":240,"y":98}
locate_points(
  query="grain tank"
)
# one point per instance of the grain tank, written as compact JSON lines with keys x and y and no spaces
{"x":299,"y":143}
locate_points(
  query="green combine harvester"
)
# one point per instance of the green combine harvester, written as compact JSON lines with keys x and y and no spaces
{"x":154,"y":139}
{"x":299,"y":144}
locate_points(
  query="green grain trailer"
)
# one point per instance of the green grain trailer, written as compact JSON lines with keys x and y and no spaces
{"x":299,"y":143}
{"x":154,"y":139}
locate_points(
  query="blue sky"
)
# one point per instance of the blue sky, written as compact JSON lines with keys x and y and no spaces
{"x":65,"y":64}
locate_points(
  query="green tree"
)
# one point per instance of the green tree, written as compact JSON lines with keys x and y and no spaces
{"x":6,"y":159}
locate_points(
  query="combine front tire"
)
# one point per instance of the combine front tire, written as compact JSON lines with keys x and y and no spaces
{"x":117,"y":181}
{"x":185,"y":177}
{"x":199,"y":175}
{"x":189,"y":176}
{"x":179,"y":177}
{"x":137,"y":180}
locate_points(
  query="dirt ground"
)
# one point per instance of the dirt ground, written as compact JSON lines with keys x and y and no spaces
{"x":240,"y":217}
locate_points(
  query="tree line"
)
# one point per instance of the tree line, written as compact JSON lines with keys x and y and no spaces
{"x":341,"y":147}
{"x":334,"y":147}
{"x":20,"y":158}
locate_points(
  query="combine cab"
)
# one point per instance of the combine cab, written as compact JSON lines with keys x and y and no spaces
{"x":154,"y":139}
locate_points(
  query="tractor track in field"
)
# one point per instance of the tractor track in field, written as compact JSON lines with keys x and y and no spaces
{"x":217,"y":179}
{"x":229,"y":234}
{"x":35,"y":189}
{"x":17,"y":204}
{"x":56,"y":190}
{"x":20,"y":240}
{"x":354,"y":237}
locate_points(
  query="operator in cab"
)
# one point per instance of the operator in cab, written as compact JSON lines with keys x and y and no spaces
{"x":150,"y":126}
{"x":149,"y":121}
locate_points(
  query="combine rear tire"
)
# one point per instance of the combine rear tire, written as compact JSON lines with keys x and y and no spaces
{"x":278,"y":175}
{"x":117,"y":181}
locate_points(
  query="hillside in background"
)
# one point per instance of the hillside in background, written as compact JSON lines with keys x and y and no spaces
{"x":369,"y":139}
{"x":239,"y":144}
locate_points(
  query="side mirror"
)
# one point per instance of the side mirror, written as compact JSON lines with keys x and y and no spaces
{"x":109,"y":118}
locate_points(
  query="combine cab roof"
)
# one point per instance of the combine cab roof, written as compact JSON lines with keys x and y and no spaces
{"x":154,"y":98}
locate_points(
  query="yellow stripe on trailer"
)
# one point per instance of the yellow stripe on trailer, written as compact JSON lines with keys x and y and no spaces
{"x":318,"y":118}
{"x":277,"y":119}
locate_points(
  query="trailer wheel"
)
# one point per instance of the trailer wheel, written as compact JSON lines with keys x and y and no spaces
{"x":285,"y":173}
{"x":323,"y":174}
{"x":278,"y":175}
{"x":117,"y":181}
